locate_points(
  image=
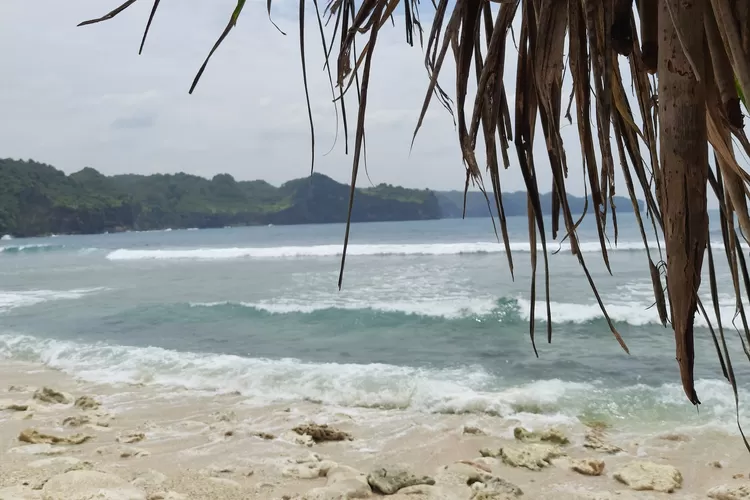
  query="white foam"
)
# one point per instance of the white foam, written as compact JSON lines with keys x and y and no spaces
{"x":459,"y":390}
{"x":336,"y":250}
{"x":30,"y":246}
{"x":632,"y":313}
{"x":264,"y":381}
{"x":14,"y":299}
{"x":449,"y":307}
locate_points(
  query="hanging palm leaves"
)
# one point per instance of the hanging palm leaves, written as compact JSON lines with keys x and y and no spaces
{"x":700,"y":53}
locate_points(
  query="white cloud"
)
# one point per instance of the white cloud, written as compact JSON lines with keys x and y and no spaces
{"x":76,"y":97}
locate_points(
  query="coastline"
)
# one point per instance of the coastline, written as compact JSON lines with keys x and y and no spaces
{"x":151,"y":442}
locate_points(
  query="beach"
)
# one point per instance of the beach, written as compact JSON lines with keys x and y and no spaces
{"x":150,"y":442}
{"x":202,"y":365}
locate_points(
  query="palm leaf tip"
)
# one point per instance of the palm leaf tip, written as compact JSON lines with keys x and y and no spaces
{"x":665,"y":160}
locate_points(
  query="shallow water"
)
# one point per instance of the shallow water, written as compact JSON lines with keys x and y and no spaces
{"x":428,"y":320}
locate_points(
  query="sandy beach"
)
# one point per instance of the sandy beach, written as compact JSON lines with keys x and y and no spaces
{"x":138,"y":442}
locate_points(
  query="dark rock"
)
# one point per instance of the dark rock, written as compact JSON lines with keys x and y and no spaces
{"x":321,"y":432}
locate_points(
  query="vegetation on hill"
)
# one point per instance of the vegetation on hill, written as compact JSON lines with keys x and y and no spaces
{"x":516,"y":203}
{"x":38,"y":199}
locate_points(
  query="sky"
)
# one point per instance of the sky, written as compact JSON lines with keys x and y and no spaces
{"x":82,"y":96}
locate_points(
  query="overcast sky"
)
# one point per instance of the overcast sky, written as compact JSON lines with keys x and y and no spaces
{"x":76,"y":97}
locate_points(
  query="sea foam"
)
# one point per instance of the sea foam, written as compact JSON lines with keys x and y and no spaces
{"x":14,"y":299}
{"x":469,"y":389}
{"x":405,"y":249}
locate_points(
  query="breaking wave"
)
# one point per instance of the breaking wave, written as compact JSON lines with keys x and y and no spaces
{"x":336,"y":250}
{"x":470,"y":389}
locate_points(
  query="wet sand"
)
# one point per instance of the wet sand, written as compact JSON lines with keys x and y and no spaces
{"x":150,"y":443}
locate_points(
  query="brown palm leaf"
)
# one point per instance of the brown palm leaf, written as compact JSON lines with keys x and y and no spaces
{"x":699,"y":51}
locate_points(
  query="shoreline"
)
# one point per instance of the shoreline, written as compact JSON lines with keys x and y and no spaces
{"x":152,"y":442}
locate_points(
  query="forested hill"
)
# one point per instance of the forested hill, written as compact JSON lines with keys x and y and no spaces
{"x":37,"y":199}
{"x":451,"y":204}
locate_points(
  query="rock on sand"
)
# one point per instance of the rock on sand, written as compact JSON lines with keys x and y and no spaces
{"x":389,"y":480}
{"x":51,"y":396}
{"x":86,"y":403}
{"x":86,"y":485}
{"x":588,"y":466}
{"x":553,"y":436}
{"x":321,"y":432}
{"x":35,"y":437}
{"x":530,"y":456}
{"x":645,"y":476}
{"x":342,"y":482}
{"x":727,"y":492}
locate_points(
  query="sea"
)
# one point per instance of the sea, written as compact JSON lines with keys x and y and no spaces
{"x":428,"y":320}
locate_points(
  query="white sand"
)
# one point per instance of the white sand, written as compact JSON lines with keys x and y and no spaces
{"x":187,"y":445}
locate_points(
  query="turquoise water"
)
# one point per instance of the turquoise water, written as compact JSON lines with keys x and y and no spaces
{"x":428,"y":320}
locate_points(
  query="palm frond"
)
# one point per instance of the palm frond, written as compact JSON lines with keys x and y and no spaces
{"x":700,"y":54}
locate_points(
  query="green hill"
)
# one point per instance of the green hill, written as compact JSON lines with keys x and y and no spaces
{"x":38,"y":199}
{"x":451,"y":204}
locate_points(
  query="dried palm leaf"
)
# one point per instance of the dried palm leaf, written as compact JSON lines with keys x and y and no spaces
{"x":698,"y":50}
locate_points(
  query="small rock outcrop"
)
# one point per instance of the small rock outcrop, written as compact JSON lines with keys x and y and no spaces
{"x":489,"y":453}
{"x":389,"y":480}
{"x":727,"y":492}
{"x":649,"y":476}
{"x":299,"y":439}
{"x":77,"y":421}
{"x":494,"y":488}
{"x":131,"y":438}
{"x":16,"y":407}
{"x":462,"y":473}
{"x":531,"y":456}
{"x":321,"y":433}
{"x":588,"y":466}
{"x":122,"y":451}
{"x":86,"y":485}
{"x":553,"y":436}
{"x":51,"y":396}
{"x":33,"y":436}
{"x":594,"y":440}
{"x":309,"y":466}
{"x":47,"y":450}
{"x":474,"y":431}
{"x":423,"y":492}
{"x":342,"y":482}
{"x":87,"y":403}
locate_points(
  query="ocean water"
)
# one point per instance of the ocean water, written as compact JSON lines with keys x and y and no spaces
{"x":428,"y":320}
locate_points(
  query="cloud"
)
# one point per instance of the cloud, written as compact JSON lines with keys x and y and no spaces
{"x":133,"y":122}
{"x":82,"y":96}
